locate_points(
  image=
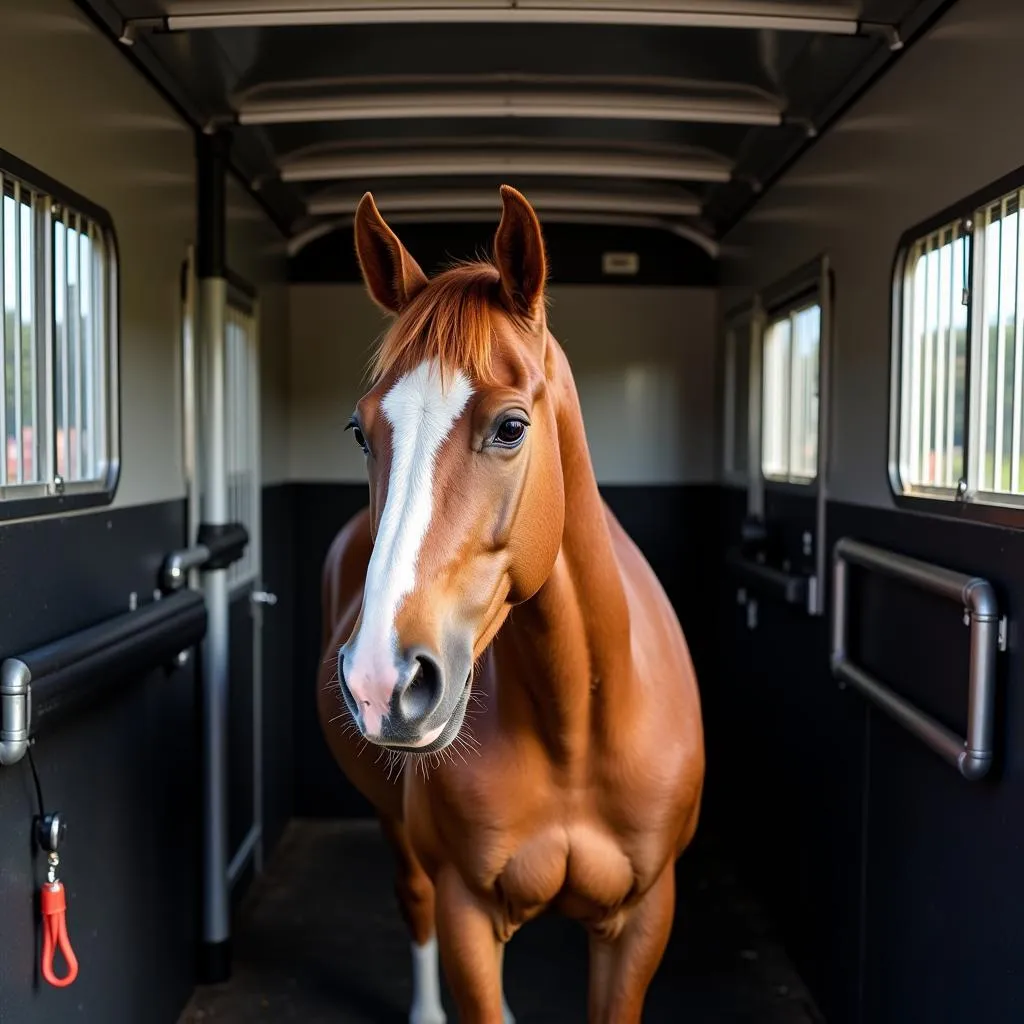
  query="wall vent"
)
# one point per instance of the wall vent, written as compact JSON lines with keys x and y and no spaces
{"x":620,"y":263}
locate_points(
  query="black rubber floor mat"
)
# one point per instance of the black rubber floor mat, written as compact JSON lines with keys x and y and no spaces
{"x":319,"y":940}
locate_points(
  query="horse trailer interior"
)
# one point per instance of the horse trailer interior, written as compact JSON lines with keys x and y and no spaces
{"x":321,"y":673}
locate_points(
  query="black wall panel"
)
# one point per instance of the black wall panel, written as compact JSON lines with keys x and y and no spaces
{"x":124,"y":773}
{"x":943,"y":887}
{"x":279,"y":675}
{"x":574,"y":253}
{"x":320,"y":511}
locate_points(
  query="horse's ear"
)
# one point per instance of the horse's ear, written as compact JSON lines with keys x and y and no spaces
{"x":519,"y":255}
{"x":392,"y":276}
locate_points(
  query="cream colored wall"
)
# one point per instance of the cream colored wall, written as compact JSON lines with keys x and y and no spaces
{"x":92,"y":122}
{"x":941,"y":124}
{"x":642,"y":359}
{"x":78,"y":111}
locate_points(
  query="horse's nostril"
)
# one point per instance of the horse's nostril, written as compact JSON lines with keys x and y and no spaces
{"x":423,"y":691}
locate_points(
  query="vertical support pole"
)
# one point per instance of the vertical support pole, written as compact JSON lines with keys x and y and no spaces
{"x":755,"y":485}
{"x":817,"y":597}
{"x":211,"y":161}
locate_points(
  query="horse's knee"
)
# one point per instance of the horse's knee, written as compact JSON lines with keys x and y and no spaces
{"x":415,"y":894}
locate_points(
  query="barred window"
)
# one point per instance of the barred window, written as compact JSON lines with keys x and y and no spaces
{"x":959,"y":402}
{"x":789,"y":412}
{"x":59,"y":347}
{"x":933,"y":368}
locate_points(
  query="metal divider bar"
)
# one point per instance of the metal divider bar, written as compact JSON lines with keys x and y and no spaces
{"x":970,"y":755}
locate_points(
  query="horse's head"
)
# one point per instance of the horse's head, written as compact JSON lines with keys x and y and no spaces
{"x":462,"y":454}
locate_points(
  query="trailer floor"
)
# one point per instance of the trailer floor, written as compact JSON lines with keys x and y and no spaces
{"x":319,"y":940}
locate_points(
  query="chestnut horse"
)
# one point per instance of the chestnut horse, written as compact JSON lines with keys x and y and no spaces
{"x":491,"y":627}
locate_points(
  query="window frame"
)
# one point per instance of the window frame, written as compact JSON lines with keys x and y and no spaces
{"x":991,"y":507}
{"x":739,"y":327}
{"x":802,"y":288}
{"x":46,"y":498}
{"x":806,"y":300}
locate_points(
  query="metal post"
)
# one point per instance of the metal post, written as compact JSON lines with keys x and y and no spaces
{"x":211,"y":159}
{"x":817,"y":602}
{"x":755,"y":485}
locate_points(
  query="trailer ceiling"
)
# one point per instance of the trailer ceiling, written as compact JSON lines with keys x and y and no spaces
{"x":674,"y":112}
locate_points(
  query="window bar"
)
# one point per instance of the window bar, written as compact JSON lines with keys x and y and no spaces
{"x":980,"y":369}
{"x":71,"y":308}
{"x":102,"y":312}
{"x":931,"y":319}
{"x":920,"y":327}
{"x":81,"y":349}
{"x":907,"y":316}
{"x":36,"y":469}
{"x":997,"y":445}
{"x":87,"y":397}
{"x":939,"y":477}
{"x":44,"y":297}
{"x":65,"y":445}
{"x":1018,"y":354}
{"x":957,"y":254}
{"x":17,"y":340}
{"x":3,"y":328}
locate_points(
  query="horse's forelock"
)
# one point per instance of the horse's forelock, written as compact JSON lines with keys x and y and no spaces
{"x":450,"y":321}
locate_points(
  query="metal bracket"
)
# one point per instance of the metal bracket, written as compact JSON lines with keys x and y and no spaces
{"x":15,"y":710}
{"x":889,"y":33}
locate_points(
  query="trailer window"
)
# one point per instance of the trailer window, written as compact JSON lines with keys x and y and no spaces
{"x":933,"y":367}
{"x":959,"y":402}
{"x":59,"y":354}
{"x":789,"y":417}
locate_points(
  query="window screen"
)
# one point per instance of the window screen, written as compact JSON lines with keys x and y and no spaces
{"x":933,"y":368}
{"x":789,"y":409}
{"x":59,"y":353}
{"x":960,"y":355}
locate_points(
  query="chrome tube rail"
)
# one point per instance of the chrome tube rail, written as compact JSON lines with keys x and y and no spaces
{"x":769,"y":581}
{"x":972,"y":754}
{"x":51,"y":682}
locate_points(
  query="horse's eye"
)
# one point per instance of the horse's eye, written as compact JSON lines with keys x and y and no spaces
{"x":511,"y":433}
{"x":359,"y":438}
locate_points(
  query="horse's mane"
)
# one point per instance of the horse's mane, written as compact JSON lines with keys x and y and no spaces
{"x":449,"y":321}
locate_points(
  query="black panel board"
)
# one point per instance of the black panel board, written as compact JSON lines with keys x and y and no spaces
{"x":786,"y":766}
{"x":241,"y":806}
{"x":279,"y":678}
{"x":124,"y":772}
{"x":943,"y":931}
{"x":574,"y":254}
{"x":321,"y":510}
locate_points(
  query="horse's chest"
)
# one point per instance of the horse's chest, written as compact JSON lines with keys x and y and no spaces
{"x":580,"y":868}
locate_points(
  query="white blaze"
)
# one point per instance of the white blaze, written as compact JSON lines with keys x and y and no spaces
{"x":421,"y":415}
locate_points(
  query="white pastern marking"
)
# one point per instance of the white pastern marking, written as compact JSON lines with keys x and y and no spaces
{"x":421,"y":414}
{"x":426,"y":985}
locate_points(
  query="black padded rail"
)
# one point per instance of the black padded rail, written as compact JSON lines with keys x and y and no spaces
{"x":768,"y":581}
{"x":77,"y":670}
{"x":226,"y":543}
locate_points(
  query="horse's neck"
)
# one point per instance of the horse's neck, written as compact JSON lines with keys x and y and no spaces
{"x":574,"y":634}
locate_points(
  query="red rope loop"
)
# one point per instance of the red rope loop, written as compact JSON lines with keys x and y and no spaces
{"x":55,"y":935}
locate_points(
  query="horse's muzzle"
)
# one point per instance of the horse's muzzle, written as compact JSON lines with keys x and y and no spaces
{"x":407,"y":717}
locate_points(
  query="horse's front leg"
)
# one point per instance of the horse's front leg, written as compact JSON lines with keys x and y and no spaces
{"x":470,"y":951}
{"x":622,"y":966}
